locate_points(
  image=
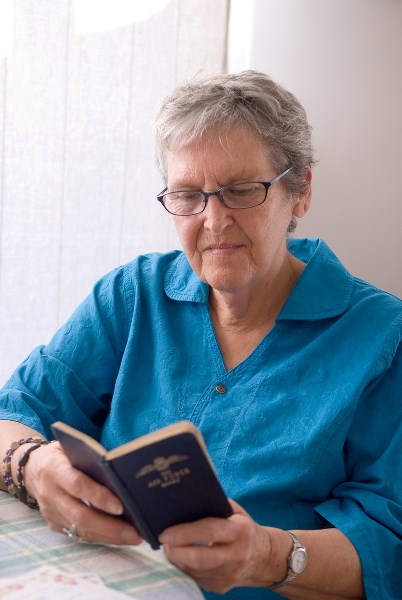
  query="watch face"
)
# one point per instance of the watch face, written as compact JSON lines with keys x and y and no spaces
{"x":299,"y":560}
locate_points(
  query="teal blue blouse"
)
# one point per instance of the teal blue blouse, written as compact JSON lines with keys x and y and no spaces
{"x":306,"y":433}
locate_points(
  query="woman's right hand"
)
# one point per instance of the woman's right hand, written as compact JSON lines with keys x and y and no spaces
{"x":68,"y":497}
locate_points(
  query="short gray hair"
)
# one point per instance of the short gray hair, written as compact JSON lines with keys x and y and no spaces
{"x":249,"y":99}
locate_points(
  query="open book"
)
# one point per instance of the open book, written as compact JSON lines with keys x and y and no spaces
{"x":163,"y":478}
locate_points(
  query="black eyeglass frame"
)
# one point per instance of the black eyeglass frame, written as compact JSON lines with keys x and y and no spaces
{"x":218,"y":193}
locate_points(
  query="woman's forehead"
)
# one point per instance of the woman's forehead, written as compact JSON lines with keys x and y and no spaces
{"x":238,"y":148}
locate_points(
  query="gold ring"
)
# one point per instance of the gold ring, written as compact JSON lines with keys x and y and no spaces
{"x":72,"y":532}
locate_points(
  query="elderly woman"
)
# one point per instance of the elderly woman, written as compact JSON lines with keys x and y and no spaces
{"x":289,"y":365}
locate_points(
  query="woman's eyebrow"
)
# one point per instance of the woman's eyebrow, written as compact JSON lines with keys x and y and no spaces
{"x":184,"y":184}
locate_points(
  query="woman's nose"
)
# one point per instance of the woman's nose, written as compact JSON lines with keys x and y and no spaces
{"x":217,"y":216}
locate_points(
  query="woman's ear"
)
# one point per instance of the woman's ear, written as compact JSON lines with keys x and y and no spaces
{"x":303,"y":202}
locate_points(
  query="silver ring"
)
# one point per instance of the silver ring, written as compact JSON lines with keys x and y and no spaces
{"x":72,"y":532}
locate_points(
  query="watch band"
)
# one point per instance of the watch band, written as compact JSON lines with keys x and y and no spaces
{"x":297,"y":561}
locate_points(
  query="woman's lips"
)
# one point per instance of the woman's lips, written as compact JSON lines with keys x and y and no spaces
{"x":222,"y":249}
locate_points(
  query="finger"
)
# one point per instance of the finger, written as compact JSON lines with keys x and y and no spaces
{"x":82,"y":487}
{"x":60,"y":497}
{"x":78,"y":485}
{"x":207,"y":531}
{"x":237,"y":509}
{"x":90,"y":524}
{"x":93,"y":526}
{"x":60,"y":490}
{"x":54,"y":470}
{"x":193,"y":560}
{"x":210,"y":567}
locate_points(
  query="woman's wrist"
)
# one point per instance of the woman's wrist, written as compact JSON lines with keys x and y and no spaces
{"x":281,"y":548}
{"x":273,"y":564}
{"x":14,"y":465}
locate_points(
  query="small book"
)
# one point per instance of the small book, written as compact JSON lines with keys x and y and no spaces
{"x":163,"y":478}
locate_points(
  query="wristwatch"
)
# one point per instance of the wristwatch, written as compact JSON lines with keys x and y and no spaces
{"x":297,"y":561}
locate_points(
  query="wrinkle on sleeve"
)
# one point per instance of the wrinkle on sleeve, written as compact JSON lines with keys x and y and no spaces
{"x":367,"y":508}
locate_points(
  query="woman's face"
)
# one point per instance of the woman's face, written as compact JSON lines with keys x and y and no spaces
{"x":227,"y":248}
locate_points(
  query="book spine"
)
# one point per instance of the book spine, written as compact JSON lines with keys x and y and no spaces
{"x":130,"y":506}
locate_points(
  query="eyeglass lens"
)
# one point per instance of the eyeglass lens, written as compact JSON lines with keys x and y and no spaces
{"x":239,"y":195}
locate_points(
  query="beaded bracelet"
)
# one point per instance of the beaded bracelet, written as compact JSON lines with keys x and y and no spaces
{"x":19,"y":491}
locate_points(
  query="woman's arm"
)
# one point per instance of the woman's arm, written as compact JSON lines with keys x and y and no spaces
{"x":333,"y":572}
{"x":221,"y":554}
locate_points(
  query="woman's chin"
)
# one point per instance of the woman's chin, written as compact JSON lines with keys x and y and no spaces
{"x":228,"y":280}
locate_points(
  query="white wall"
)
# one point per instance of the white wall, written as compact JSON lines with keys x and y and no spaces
{"x":343,"y":60}
{"x":79,"y":82}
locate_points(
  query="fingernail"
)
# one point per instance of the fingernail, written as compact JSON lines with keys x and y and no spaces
{"x":115,"y":508}
{"x":165,"y":538}
{"x":130,"y":536}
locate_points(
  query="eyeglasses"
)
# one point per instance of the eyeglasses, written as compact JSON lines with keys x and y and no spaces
{"x":247,"y":194}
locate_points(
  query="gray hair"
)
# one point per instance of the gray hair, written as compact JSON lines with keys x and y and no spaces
{"x":251,"y":100}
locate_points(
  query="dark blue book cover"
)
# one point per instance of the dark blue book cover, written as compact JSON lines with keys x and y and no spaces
{"x":163,"y":478}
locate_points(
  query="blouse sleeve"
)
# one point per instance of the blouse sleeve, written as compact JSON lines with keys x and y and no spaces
{"x":72,"y":377}
{"x":367,"y":507}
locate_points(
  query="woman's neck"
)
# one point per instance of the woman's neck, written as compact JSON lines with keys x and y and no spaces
{"x":242,"y":320}
{"x":255,"y":306}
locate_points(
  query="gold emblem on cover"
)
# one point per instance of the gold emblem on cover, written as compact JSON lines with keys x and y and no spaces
{"x":165,"y":476}
{"x":160,"y":464}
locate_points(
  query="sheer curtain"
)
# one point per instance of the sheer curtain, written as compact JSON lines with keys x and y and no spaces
{"x":79,"y":82}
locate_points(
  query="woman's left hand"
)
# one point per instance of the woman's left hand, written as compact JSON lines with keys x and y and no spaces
{"x":220,"y":554}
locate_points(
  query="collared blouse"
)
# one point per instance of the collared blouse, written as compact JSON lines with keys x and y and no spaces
{"x":305,"y":433}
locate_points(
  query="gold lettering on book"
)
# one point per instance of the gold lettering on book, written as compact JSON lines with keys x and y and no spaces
{"x":166,"y":476}
{"x":169,"y":478}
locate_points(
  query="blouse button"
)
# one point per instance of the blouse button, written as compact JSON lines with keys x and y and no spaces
{"x":221,"y":389}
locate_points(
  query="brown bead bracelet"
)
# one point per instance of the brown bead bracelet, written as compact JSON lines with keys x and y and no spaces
{"x":19,"y":491}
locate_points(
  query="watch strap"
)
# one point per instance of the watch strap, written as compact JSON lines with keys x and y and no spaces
{"x":290,"y":574}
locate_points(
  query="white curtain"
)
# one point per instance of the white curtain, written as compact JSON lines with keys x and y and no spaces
{"x":79,"y":82}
